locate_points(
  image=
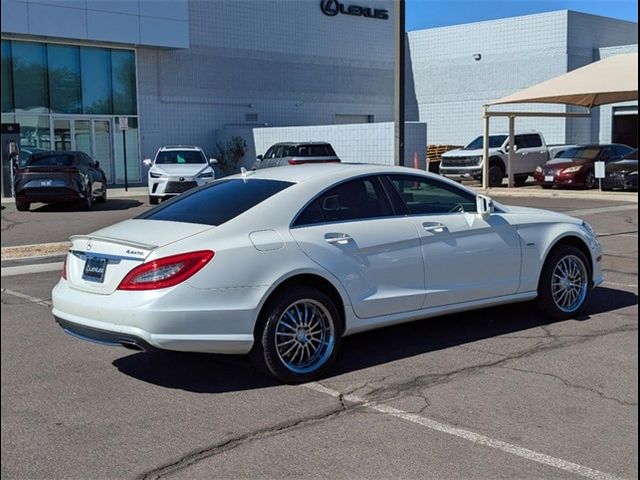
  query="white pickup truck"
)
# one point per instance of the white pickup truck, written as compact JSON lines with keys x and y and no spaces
{"x":466,"y":163}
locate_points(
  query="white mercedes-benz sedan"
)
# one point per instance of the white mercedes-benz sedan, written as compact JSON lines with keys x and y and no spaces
{"x":282,"y":263}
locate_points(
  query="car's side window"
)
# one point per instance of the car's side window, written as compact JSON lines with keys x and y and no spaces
{"x":533,"y":141}
{"x":353,"y":200}
{"x":521,"y":141}
{"x":269,"y":153}
{"x":278,"y":151}
{"x":426,"y":196}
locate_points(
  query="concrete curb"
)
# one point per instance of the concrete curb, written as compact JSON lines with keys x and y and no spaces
{"x":43,"y":250}
{"x":629,"y":197}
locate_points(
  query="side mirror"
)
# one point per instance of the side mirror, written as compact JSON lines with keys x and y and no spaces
{"x":484,"y":206}
{"x":213,"y":161}
{"x":259,"y":158}
{"x":148,"y":162}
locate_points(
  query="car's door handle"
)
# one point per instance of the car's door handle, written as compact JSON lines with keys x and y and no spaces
{"x":434,"y":227}
{"x":337,"y":238}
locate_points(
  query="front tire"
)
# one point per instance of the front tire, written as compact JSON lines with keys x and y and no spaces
{"x":589,"y":181}
{"x":565,"y":283}
{"x":520,"y":180}
{"x":298,"y":336}
{"x":153,"y":200}
{"x":496,"y":174}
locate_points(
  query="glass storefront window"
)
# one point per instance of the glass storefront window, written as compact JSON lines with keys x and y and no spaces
{"x":133,"y":156}
{"x":64,"y":78}
{"x":62,"y":133}
{"x":95,"y":64}
{"x":5,"y":77}
{"x":30,"y":89}
{"x":82,"y":136}
{"x":34,"y":131}
{"x":123,"y":79}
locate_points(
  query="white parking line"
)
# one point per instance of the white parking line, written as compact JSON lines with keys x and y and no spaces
{"x":467,"y":435}
{"x":24,"y":296}
{"x":36,"y":268}
{"x":593,"y":211}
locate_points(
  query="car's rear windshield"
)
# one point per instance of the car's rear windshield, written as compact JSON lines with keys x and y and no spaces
{"x":180,"y":157}
{"x":495,"y":141}
{"x":51,"y":160}
{"x":216,"y":203}
{"x":313,"y":151}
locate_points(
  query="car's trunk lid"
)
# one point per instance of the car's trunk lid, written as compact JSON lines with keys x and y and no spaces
{"x":98,"y":262}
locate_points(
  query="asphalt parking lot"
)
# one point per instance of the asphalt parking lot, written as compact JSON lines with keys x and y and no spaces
{"x":497,"y":393}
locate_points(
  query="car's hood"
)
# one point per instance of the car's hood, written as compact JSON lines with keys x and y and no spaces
{"x":566,"y":162}
{"x":623,"y":166}
{"x":458,"y":153}
{"x":536,"y":215}
{"x":176,"y":169}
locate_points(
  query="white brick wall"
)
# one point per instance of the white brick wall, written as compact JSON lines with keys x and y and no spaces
{"x":355,"y":143}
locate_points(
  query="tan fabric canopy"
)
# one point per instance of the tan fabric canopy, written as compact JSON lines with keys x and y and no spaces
{"x":614,"y":79}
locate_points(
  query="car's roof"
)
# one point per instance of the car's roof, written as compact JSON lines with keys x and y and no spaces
{"x":179,"y":147}
{"x":302,"y":173}
{"x":300,"y":143}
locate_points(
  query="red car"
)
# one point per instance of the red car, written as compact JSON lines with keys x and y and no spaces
{"x":575,"y":167}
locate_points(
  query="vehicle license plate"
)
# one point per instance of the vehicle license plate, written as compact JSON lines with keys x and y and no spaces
{"x":46,"y":183}
{"x":94,"y":269}
{"x":548,"y":178}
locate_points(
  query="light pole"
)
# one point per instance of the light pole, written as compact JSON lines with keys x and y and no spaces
{"x":398,"y":82}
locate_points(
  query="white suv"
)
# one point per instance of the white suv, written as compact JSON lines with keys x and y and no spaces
{"x":176,"y":169}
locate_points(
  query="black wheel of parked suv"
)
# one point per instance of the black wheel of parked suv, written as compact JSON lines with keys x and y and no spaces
{"x":298,"y":336}
{"x":153,"y":200}
{"x":22,"y":206}
{"x":496,"y":174}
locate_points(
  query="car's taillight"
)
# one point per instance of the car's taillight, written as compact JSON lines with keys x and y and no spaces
{"x":64,"y":268}
{"x":165,"y":272}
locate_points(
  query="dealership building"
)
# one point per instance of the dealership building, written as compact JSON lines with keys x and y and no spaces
{"x":103,"y":76}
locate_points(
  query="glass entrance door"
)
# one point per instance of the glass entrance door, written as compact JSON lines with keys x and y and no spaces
{"x":102,"y":146}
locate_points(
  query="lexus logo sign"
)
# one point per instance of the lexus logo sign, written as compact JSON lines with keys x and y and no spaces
{"x":331,"y":8}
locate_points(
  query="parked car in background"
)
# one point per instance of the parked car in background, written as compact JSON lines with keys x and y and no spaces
{"x":282,"y":263}
{"x":466,"y":163}
{"x":27,"y":152}
{"x":59,"y":176}
{"x":622,"y":174}
{"x":575,"y":167}
{"x":176,"y":169}
{"x":292,"y":153}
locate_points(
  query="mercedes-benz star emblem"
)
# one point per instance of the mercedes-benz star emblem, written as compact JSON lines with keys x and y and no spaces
{"x":182,"y":179}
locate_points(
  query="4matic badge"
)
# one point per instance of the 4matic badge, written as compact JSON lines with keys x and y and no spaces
{"x":332,"y":7}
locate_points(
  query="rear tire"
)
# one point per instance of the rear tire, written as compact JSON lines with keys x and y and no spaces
{"x":565,"y":283}
{"x":496,"y":174}
{"x":22,"y":206}
{"x":298,"y":335}
{"x":153,"y":200}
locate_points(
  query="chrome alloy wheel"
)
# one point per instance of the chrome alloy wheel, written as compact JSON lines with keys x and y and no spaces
{"x":304,"y":336}
{"x":569,"y":283}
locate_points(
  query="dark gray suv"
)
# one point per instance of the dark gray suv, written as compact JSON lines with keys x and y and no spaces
{"x":291,"y":153}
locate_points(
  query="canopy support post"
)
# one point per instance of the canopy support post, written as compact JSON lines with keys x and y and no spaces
{"x":512,"y":151}
{"x":485,"y":149}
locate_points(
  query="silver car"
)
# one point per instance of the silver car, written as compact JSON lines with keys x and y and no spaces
{"x":292,"y":153}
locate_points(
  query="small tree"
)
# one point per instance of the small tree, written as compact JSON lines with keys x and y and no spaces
{"x":229,"y":155}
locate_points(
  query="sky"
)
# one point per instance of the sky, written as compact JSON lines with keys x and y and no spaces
{"x":439,"y":13}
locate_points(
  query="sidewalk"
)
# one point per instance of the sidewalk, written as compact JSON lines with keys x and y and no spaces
{"x":537,"y":192}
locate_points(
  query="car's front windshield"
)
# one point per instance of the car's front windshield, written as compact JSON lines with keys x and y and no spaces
{"x":180,"y":157}
{"x":580,"y":153}
{"x":495,"y":141}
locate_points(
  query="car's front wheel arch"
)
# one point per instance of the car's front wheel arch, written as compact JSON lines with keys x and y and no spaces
{"x":573,"y":241}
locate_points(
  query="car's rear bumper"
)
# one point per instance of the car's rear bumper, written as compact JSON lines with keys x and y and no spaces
{"x":183,"y":319}
{"x":49,"y":194}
